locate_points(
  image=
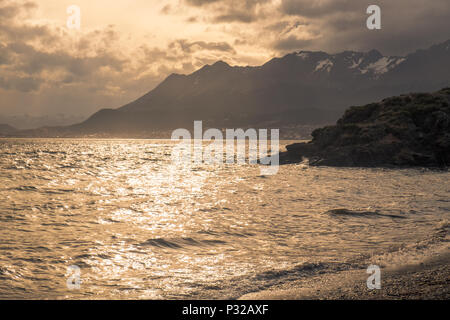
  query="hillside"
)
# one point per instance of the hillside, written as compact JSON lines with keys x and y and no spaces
{"x":6,"y":129}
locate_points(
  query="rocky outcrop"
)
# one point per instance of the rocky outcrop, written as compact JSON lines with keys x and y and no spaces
{"x":406,"y":130}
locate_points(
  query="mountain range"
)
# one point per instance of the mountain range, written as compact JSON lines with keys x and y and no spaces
{"x":300,"y":88}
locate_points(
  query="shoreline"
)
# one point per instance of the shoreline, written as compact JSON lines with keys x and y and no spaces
{"x":427,"y":280}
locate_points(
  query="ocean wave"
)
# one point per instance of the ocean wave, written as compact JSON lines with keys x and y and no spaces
{"x":402,"y":255}
{"x":24,"y":188}
{"x":178,"y":243}
{"x":369,"y":214}
{"x":236,"y":287}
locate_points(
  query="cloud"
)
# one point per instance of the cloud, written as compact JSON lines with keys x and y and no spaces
{"x":95,"y":67}
{"x":193,"y":46}
{"x":23,"y":84}
{"x":34,"y":61}
{"x":225,"y":11}
{"x":166,"y":9}
{"x":328,"y":25}
{"x":291,"y":43}
{"x":28,"y":63}
{"x":234,"y":15}
{"x":10,"y":10}
{"x":201,"y":2}
{"x":319,"y":8}
{"x":341,"y":24}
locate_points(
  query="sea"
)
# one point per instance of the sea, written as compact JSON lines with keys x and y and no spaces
{"x":119,"y":219}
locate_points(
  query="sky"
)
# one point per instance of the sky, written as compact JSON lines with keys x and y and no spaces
{"x":124,"y":48}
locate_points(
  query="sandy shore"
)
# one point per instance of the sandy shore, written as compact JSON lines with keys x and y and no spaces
{"x":427,"y":280}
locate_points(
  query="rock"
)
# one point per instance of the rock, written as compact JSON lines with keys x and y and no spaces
{"x":408,"y":130}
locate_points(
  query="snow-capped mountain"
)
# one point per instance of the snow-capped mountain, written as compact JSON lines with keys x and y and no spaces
{"x":300,"y":88}
{"x":371,"y":63}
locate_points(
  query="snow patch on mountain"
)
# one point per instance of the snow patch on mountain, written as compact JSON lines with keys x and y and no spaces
{"x":303,"y":55}
{"x":382,"y":65}
{"x":356,"y":63}
{"x":398,"y":61}
{"x":326,"y":64}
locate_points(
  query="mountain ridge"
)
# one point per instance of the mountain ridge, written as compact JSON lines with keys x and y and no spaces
{"x":304,"y":87}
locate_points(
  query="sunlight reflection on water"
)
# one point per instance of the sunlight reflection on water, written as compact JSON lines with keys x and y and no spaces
{"x":140,"y":226}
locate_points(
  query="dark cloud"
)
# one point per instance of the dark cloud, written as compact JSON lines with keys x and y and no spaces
{"x":318,"y":8}
{"x":8,"y":12}
{"x":333,"y":25}
{"x":337,"y":25}
{"x":236,"y":15}
{"x":284,"y":27}
{"x":201,"y":2}
{"x":192,"y":19}
{"x":25,"y":32}
{"x":291,"y":43}
{"x":225,"y":11}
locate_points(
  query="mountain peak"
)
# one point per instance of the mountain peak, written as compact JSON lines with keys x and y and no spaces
{"x":221,"y":64}
{"x":218,"y":66}
{"x":374,"y":54}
